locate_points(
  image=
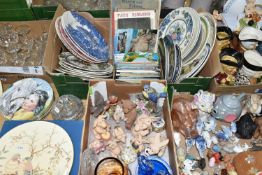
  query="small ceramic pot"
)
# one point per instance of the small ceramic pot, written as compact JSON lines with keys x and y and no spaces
{"x":227,"y":107}
{"x":252,"y":64}
{"x":249,"y":37}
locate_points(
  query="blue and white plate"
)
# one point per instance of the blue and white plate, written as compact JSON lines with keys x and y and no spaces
{"x":184,"y":26}
{"x":85,"y":36}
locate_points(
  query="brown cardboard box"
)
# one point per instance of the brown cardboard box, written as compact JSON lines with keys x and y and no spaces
{"x":122,"y":90}
{"x":37,"y":28}
{"x":55,"y":46}
{"x":213,"y":67}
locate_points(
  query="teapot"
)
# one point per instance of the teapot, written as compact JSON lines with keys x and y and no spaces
{"x":228,"y":107}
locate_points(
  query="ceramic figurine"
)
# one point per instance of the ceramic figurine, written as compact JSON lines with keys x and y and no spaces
{"x":223,"y":78}
{"x":158,"y":124}
{"x":254,"y":104}
{"x":101,"y":128}
{"x":114,"y":148}
{"x":157,"y":145}
{"x":119,"y":134}
{"x":138,"y":143}
{"x":128,"y":155}
{"x":97,"y":146}
{"x":207,"y":137}
{"x":189,"y":143}
{"x":129,"y":109}
{"x":189,"y":165}
{"x":177,"y":138}
{"x":204,"y":100}
{"x":100,"y":104}
{"x":151,"y":94}
{"x":258,"y":132}
{"x":184,"y":115}
{"x":201,"y":145}
{"x":142,"y":125}
{"x":246,"y":127}
{"x":113,"y":100}
{"x":216,"y":8}
{"x":181,"y":154}
{"x":118,"y":114}
{"x":227,"y":107}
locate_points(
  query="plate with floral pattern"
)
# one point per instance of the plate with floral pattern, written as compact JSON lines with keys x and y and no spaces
{"x":37,"y":147}
{"x":184,"y":26}
{"x":85,"y":35}
{"x":27,"y":99}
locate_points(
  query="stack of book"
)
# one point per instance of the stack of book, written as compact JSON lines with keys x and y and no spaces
{"x":135,"y":38}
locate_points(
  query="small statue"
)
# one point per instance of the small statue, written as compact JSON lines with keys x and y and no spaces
{"x":142,"y":125}
{"x":254,"y":104}
{"x":204,"y":100}
{"x":119,"y":134}
{"x":97,"y":146}
{"x":157,"y":145}
{"x":118,"y":114}
{"x":101,"y":128}
{"x":258,"y":132}
{"x":138,"y":143}
{"x":151,"y":94}
{"x":114,"y":148}
{"x":129,"y":109}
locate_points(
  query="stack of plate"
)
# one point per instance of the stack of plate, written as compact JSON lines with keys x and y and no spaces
{"x":194,"y":34}
{"x":81,"y":38}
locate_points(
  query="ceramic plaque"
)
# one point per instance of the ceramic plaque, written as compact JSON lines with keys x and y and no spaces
{"x":36,"y":148}
{"x":26,"y":99}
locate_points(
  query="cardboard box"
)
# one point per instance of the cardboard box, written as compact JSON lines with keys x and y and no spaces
{"x":37,"y":29}
{"x":213,"y":67}
{"x":122,"y":90}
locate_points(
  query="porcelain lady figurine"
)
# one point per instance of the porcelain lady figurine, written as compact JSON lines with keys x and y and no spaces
{"x":227,"y":107}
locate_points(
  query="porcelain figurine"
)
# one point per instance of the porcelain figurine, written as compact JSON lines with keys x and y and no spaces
{"x":254,"y":104}
{"x":114,"y":148}
{"x":207,"y":137}
{"x":177,"y":138}
{"x":97,"y":146}
{"x":157,"y":145}
{"x":138,"y":143}
{"x":113,"y":100}
{"x":151,"y":94}
{"x":119,"y":134}
{"x":189,"y":166}
{"x":181,"y":154}
{"x":142,"y":125}
{"x":128,"y":155}
{"x":216,"y":8}
{"x":101,"y":128}
{"x":246,"y":127}
{"x":129,"y":109}
{"x":190,"y":143}
{"x":258,"y":132}
{"x":118,"y":114}
{"x":228,"y":107}
{"x":184,"y":115}
{"x":204,"y":100}
{"x":223,"y":78}
{"x":201,"y":146}
{"x":158,"y":124}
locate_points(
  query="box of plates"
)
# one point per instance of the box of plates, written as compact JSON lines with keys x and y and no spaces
{"x":78,"y":46}
{"x":186,"y":41}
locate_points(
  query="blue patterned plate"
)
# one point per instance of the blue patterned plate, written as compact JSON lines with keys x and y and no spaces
{"x":85,"y":36}
{"x":183,"y":25}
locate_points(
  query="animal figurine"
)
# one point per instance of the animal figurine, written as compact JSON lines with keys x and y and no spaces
{"x":129,"y":109}
{"x":157,"y":145}
{"x":258,"y":132}
{"x":101,"y":128}
{"x":118,"y":114}
{"x":204,"y":100}
{"x":119,"y":134}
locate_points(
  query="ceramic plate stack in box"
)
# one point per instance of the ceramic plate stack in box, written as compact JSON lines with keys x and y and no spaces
{"x":85,"y":42}
{"x":195,"y":35}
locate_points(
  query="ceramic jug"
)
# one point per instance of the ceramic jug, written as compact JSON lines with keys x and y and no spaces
{"x":228,"y":107}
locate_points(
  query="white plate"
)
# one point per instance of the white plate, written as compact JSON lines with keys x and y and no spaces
{"x":37,"y":147}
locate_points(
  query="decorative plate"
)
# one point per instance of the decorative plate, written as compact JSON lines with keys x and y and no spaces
{"x":201,"y":58}
{"x":183,"y":25}
{"x":37,"y":147}
{"x":85,"y":35}
{"x":69,"y":44}
{"x":26,"y":99}
{"x":233,"y":12}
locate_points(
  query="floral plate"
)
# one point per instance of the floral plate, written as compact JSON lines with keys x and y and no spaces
{"x":27,"y":99}
{"x":37,"y":147}
{"x":85,"y":35}
{"x":183,"y":25}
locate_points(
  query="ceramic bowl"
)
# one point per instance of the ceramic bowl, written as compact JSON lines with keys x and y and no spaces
{"x":233,"y":53}
{"x":252,"y":63}
{"x":249,"y":37}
